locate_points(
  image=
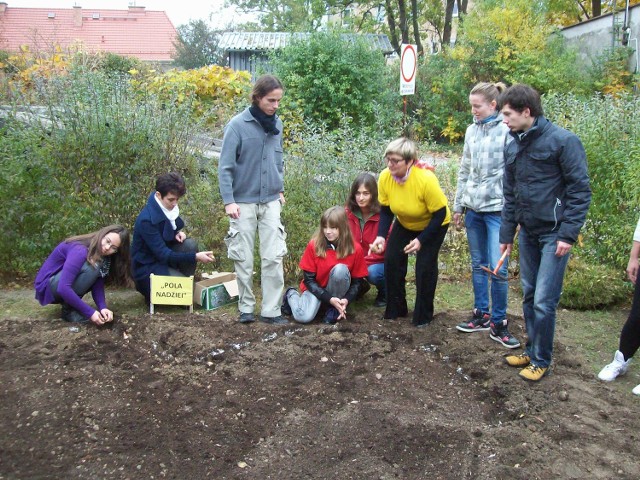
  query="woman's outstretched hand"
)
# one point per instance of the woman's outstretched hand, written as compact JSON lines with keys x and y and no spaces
{"x":377,"y":246}
{"x":205,"y":257}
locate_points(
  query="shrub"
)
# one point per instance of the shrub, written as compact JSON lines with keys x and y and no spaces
{"x":330,"y":77}
{"x":210,"y":92}
{"x":588,"y":286}
{"x":610,"y":132}
{"x":113,"y":64}
{"x":441,"y":106}
{"x":611,"y":73}
{"x":89,"y":160}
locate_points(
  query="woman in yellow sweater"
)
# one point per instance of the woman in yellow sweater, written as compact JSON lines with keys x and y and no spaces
{"x":413,"y":195}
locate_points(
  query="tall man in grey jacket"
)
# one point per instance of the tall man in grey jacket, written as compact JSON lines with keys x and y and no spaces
{"x":547,"y":193}
{"x":251,"y":184}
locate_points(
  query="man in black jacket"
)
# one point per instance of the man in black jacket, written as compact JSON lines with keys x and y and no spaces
{"x":546,"y":192}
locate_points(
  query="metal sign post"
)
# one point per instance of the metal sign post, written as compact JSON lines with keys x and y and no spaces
{"x":408,"y":70}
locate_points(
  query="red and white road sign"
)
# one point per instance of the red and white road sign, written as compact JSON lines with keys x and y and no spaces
{"x":408,"y":69}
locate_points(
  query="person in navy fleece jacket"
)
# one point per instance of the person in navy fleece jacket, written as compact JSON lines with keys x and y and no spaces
{"x":159,"y":245}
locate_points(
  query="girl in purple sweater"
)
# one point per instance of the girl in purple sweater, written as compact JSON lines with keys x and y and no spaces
{"x":80,"y":264}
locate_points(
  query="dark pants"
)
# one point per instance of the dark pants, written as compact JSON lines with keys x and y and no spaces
{"x":81,"y":285}
{"x":395,"y":268}
{"x":183,"y":269}
{"x":630,"y":335}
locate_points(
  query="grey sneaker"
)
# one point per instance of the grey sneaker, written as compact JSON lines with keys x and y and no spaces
{"x":274,"y":320}
{"x":500,"y":333}
{"x":478,"y":323}
{"x":247,"y":317}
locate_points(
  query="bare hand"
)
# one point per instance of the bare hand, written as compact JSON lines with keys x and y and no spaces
{"x":233,"y":210}
{"x":377,"y":246}
{"x":181,"y":237}
{"x":205,"y":257}
{"x":506,"y":246}
{"x":340,"y":304}
{"x":458,"y":220}
{"x":97,"y":318}
{"x":107,"y":315}
{"x":563,"y":248}
{"x":632,"y":270}
{"x":413,"y":246}
{"x":282,"y":200}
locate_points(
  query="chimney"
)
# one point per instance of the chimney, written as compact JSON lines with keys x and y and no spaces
{"x":136,"y":9}
{"x":3,"y":8}
{"x":77,"y":16}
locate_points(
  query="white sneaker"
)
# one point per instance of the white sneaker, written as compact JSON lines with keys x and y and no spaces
{"x":615,"y":368}
{"x":636,"y":391}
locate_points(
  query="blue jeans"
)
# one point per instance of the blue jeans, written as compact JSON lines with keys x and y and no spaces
{"x":376,"y":276}
{"x":483,"y":232}
{"x":541,"y":274}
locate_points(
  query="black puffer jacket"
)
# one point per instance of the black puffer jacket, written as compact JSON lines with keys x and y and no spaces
{"x":546,"y":184}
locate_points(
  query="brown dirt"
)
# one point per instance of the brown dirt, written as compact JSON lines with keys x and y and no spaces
{"x":181,"y":395}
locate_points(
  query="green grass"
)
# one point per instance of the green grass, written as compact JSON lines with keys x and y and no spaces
{"x":595,"y":333}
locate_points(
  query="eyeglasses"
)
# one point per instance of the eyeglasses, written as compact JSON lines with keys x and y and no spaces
{"x":393,"y":161}
{"x":110,"y":245}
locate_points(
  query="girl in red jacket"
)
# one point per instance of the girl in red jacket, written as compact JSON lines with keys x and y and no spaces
{"x":363,"y":213}
{"x":333,"y":269}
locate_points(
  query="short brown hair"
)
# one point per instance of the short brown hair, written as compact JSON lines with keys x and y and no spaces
{"x":171,"y":183}
{"x":521,"y":96}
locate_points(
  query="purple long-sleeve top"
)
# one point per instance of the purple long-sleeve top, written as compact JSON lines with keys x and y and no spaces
{"x":68,"y":258}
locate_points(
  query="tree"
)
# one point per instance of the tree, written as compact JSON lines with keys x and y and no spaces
{"x":501,"y":40}
{"x":596,"y":8}
{"x":197,"y":45}
{"x":403,"y":21}
{"x":406,"y":22}
{"x":290,"y":15}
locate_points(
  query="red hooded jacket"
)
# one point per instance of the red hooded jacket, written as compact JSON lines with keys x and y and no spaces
{"x":366,"y":236}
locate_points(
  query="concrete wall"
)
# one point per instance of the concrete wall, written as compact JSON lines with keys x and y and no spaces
{"x":594,"y":37}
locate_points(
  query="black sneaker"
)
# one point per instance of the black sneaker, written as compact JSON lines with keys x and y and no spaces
{"x":70,"y":314}
{"x":285,"y":308}
{"x":500,"y":333}
{"x":364,"y":288}
{"x":246,"y":317}
{"x":274,"y":320}
{"x":480,"y":322}
{"x":331,"y":316}
{"x":381,"y":300}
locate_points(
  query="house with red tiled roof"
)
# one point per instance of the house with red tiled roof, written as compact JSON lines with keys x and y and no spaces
{"x":136,"y":32}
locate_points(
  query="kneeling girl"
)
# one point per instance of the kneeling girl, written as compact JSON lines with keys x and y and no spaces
{"x":79,"y":265}
{"x":333,"y":269}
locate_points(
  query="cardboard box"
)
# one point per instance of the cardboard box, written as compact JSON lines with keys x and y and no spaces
{"x":218,"y":289}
